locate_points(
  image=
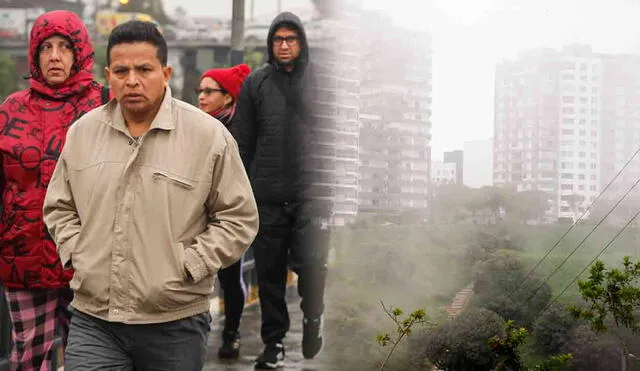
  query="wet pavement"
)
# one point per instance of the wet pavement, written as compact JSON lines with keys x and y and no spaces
{"x":252,"y":345}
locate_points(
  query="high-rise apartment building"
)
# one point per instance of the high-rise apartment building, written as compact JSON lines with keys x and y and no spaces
{"x":395,"y":117}
{"x":443,"y":173}
{"x":336,"y":60}
{"x":565,"y":123}
{"x":620,"y":120}
{"x":457,"y":158}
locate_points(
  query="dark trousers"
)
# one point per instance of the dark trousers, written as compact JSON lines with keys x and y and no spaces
{"x":95,"y":344}
{"x":290,"y":235}
{"x":233,"y":294}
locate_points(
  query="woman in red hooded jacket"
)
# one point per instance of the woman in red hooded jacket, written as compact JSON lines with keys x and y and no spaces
{"x":33,"y":126}
{"x":217,"y":95}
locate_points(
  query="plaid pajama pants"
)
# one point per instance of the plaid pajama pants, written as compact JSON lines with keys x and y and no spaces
{"x":36,"y":315}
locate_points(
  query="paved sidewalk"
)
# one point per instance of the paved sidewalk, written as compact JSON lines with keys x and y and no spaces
{"x":252,"y":345}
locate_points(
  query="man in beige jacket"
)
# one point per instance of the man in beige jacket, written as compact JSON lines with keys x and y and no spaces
{"x":148,"y":201}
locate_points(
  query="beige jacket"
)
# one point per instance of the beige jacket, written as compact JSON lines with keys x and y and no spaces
{"x":147,"y":224}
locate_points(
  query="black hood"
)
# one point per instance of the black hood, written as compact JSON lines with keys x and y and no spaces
{"x":292,"y":19}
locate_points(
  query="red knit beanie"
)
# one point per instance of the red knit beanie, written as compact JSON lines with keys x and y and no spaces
{"x":229,"y":79}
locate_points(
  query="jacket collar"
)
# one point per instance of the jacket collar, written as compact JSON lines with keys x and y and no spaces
{"x":163,"y":120}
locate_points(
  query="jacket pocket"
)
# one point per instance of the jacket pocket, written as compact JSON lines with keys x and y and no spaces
{"x":180,"y":182}
{"x":178,"y":250}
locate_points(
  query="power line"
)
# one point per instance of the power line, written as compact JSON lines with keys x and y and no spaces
{"x":583,"y":240}
{"x":531,"y":296}
{"x":588,"y":265}
{"x":574,"y":224}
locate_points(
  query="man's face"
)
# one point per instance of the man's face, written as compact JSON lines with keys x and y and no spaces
{"x":286,"y":45}
{"x":55,"y":59}
{"x":136,"y":76}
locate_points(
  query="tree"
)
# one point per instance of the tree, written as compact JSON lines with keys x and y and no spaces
{"x":326,"y":8}
{"x":253,"y":58}
{"x":100,"y":62}
{"x":450,"y":202}
{"x":490,"y":240}
{"x":495,"y":199}
{"x":500,"y":286}
{"x":612,"y":293}
{"x":403,"y":327}
{"x":154,"y":8}
{"x":411,"y":216}
{"x":507,"y":351}
{"x":592,"y":351}
{"x":461,"y":343}
{"x":8,"y":76}
{"x":528,"y":205}
{"x":180,"y":12}
{"x":552,"y":330}
{"x":506,"y":347}
{"x":575,"y":203}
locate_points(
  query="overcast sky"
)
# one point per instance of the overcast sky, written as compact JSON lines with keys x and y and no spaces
{"x":222,"y":8}
{"x":471,"y":36}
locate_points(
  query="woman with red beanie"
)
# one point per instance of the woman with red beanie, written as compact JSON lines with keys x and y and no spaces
{"x":217,"y":95}
{"x":219,"y":89}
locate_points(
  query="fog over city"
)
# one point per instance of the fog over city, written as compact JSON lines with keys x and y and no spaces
{"x":471,"y":37}
{"x":477,"y":158}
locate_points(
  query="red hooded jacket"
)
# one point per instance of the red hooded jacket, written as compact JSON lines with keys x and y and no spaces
{"x":33,"y":127}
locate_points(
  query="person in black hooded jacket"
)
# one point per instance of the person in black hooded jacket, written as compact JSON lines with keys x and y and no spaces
{"x":276,"y":134}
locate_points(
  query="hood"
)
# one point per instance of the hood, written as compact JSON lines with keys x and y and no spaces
{"x":67,"y":24}
{"x":291,"y":18}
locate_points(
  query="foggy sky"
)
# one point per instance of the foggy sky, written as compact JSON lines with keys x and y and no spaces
{"x":222,"y":8}
{"x":471,"y":36}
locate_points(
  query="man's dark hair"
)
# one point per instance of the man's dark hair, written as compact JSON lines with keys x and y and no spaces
{"x":138,"y":32}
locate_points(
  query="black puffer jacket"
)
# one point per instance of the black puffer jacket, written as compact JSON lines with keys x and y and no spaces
{"x":273,"y":125}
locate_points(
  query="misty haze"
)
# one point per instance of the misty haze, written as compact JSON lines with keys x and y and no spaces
{"x":480,"y":160}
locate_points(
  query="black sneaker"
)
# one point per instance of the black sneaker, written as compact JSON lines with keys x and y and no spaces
{"x":271,"y":358}
{"x":311,"y":337}
{"x":230,"y":348}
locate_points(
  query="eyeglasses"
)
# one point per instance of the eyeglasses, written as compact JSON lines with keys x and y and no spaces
{"x":291,"y":40}
{"x":209,"y":91}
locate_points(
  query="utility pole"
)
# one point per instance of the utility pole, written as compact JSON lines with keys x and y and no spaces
{"x":279,"y":6}
{"x":253,"y":10}
{"x":237,"y":33}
